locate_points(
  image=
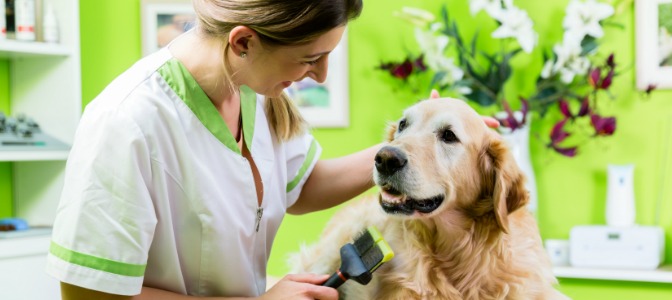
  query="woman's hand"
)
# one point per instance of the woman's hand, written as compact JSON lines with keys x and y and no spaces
{"x":301,"y":286}
{"x":489,"y":121}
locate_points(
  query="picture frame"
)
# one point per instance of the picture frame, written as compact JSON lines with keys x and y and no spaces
{"x":164,"y":20}
{"x":653,"y":30}
{"x":327,"y":104}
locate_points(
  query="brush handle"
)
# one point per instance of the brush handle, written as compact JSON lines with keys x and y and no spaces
{"x":334,"y":281}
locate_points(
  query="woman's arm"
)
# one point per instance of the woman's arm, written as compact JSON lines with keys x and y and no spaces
{"x":293,"y":286}
{"x":335,"y":181}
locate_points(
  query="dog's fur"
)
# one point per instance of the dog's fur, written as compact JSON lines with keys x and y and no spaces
{"x":470,"y":238}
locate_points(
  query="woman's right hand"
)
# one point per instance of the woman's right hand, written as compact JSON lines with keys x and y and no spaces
{"x":301,"y":286}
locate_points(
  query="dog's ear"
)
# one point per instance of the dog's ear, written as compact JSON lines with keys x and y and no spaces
{"x":391,"y":129}
{"x":503,"y":179}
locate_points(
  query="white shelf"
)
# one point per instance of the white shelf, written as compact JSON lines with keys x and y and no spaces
{"x":34,"y":155}
{"x":663,"y":274}
{"x":14,"y":49}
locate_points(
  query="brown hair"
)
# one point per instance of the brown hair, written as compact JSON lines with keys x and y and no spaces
{"x":278,"y":23}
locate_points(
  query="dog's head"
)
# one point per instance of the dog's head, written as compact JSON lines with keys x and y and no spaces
{"x":441,"y":155}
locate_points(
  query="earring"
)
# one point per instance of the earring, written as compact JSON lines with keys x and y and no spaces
{"x":243,"y":54}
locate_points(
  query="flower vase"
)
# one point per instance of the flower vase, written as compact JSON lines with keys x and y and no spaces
{"x":518,"y":142}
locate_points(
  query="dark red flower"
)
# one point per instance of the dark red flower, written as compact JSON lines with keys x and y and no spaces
{"x":524,"y":108}
{"x":419,"y":63}
{"x":558,"y":134}
{"x":585,"y":107}
{"x":610,"y":61}
{"x":569,"y":152}
{"x":564,"y":109}
{"x":606,"y":82}
{"x":594,"y":78}
{"x":509,"y":121}
{"x":650,"y":88}
{"x":403,"y":70}
{"x":603,"y":126}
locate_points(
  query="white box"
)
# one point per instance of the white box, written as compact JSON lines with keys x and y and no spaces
{"x":635,"y":247}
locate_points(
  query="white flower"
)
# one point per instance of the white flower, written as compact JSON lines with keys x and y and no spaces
{"x":547,"y":70}
{"x":416,"y":16}
{"x":451,"y":71}
{"x":569,"y":60}
{"x":585,"y":17}
{"x":516,"y":23}
{"x":431,"y":44}
{"x":492,"y":7}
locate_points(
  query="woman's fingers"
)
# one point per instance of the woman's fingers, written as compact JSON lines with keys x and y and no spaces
{"x":491,"y":122}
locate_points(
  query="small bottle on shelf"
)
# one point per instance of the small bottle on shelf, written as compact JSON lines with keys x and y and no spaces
{"x":24,"y":12}
{"x":50,"y":28}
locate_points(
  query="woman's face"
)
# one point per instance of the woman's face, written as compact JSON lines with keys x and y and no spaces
{"x":271,"y":71}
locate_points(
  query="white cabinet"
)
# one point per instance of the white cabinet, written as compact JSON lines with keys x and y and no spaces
{"x":45,"y":84}
{"x":22,"y":262}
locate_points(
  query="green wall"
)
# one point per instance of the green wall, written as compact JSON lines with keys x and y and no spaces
{"x":571,"y":191}
{"x":5,"y":167}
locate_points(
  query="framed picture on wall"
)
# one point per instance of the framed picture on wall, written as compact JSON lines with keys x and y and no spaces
{"x":326,"y":104}
{"x":164,"y":20}
{"x":653,"y":30}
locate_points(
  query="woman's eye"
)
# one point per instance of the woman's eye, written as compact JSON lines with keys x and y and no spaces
{"x":312,"y":62}
{"x":448,"y":136}
{"x":402,"y":125}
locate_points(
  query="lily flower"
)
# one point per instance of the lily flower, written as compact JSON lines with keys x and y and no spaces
{"x":404,"y":69}
{"x":432,"y":45}
{"x":567,"y":112}
{"x":564,"y":109}
{"x":584,"y":17}
{"x":585,"y":107}
{"x":603,"y":126}
{"x":416,"y":16}
{"x":569,"y":61}
{"x":492,"y":7}
{"x":517,"y":24}
{"x":558,"y":134}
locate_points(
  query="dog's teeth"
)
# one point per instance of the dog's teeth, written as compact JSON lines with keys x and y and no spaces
{"x":392,"y":198}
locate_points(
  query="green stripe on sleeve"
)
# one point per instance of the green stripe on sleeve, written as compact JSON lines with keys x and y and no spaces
{"x":304,"y":167}
{"x":97,"y":263}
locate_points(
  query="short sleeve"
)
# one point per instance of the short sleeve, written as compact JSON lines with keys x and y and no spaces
{"x":302,"y":155}
{"x":105,"y":220}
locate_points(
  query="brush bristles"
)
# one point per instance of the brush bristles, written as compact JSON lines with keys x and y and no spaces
{"x":372,"y":258}
{"x":363,"y":242}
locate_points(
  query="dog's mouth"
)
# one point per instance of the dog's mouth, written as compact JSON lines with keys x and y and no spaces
{"x":395,"y":202}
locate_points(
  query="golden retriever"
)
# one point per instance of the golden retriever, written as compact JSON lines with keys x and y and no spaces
{"x":452,"y":207}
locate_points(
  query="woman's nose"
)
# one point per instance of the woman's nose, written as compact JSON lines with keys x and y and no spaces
{"x":319,"y":71}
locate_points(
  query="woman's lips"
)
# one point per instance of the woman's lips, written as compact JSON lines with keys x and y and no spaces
{"x":286,"y":84}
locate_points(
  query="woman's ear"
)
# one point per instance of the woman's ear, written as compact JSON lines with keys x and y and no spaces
{"x":241,"y":39}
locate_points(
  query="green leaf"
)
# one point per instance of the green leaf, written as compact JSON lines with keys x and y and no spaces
{"x":588,"y":45}
{"x":481,"y":97}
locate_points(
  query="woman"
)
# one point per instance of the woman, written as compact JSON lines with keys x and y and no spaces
{"x":184,"y":166}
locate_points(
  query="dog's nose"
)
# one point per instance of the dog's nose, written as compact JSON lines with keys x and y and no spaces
{"x":390,"y":160}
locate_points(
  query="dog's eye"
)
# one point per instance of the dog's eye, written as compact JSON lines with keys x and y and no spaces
{"x":448,"y":136}
{"x":402,"y":125}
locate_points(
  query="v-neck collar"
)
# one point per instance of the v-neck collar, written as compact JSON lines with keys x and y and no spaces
{"x":185,"y":86}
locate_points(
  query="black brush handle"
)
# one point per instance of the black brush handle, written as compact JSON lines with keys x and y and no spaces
{"x":334,"y":281}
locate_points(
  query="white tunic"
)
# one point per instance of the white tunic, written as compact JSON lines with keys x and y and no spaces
{"x":157,"y":192}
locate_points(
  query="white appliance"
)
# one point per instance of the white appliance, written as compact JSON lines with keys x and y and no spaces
{"x":634,"y":247}
{"x":620,"y":210}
